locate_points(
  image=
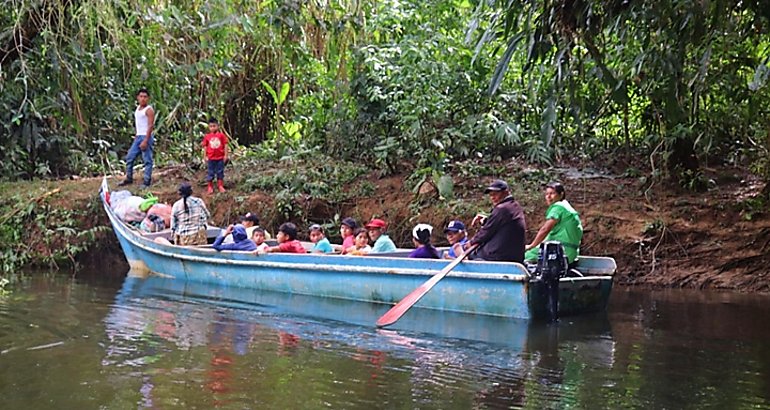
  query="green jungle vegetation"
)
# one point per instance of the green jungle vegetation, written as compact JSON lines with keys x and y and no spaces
{"x":395,"y":86}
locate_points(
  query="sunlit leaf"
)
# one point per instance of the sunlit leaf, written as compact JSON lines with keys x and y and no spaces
{"x":271,"y":91}
{"x":284,"y":93}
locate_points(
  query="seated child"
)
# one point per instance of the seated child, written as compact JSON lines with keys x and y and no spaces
{"x":287,"y":240}
{"x":250,"y":221}
{"x":241,"y":241}
{"x":361,"y":244}
{"x":347,"y":231}
{"x":455,"y":234}
{"x":259,"y":239}
{"x":421,"y":238}
{"x":322,"y":245}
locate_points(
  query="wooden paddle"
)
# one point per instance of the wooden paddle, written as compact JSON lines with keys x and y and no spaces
{"x":406,"y":303}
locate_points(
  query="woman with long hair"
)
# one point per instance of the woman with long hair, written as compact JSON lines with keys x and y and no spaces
{"x":189,"y":217}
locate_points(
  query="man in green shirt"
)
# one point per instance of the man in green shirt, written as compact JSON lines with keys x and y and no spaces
{"x":562,"y":223}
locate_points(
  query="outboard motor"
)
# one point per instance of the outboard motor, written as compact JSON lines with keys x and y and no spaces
{"x":552,"y":264}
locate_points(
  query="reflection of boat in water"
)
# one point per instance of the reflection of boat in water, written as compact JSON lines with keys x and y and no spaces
{"x":481,"y":288}
{"x":235,"y":334}
{"x":305,"y":312}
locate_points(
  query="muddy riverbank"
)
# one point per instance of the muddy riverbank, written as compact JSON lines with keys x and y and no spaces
{"x":660,"y":235}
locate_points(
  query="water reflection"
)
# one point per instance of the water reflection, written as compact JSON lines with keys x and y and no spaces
{"x":161,"y":344}
{"x":489,"y":358}
{"x":711,"y":344}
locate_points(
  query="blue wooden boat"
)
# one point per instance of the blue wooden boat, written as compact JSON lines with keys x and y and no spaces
{"x":503,"y":289}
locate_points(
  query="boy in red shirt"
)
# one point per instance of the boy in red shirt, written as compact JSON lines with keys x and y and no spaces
{"x":215,"y":153}
{"x":287,"y":240}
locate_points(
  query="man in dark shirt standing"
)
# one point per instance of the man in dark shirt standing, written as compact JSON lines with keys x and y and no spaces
{"x":501,"y":237}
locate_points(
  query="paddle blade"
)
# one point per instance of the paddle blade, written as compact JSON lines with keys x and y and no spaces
{"x":401,"y":307}
{"x":395,"y":313}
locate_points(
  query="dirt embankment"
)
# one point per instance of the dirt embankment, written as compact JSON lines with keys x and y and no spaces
{"x":661,"y":236}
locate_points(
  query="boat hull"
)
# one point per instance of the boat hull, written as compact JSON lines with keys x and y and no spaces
{"x":486,"y":288}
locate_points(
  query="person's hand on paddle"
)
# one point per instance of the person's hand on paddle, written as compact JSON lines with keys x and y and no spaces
{"x":229,"y":229}
{"x":479,"y":220}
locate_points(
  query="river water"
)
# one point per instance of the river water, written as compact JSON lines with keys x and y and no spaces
{"x":127,"y":343}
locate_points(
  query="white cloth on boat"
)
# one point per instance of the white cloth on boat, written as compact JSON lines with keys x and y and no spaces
{"x":128,"y":209}
{"x":118,"y":196}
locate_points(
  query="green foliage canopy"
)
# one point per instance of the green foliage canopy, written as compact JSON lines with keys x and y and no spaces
{"x":389,"y":82}
{"x":683,"y":79}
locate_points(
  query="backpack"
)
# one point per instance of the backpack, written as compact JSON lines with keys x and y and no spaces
{"x":152,"y":223}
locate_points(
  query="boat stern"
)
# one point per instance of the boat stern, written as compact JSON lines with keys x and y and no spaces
{"x":576,"y":296}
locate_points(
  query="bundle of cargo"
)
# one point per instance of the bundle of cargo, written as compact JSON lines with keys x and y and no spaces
{"x":144,"y":213}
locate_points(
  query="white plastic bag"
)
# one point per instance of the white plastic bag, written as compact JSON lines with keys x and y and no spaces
{"x":118,"y":197}
{"x":128,"y":209}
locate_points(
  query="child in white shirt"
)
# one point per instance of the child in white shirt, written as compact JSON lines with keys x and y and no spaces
{"x":258,"y":236}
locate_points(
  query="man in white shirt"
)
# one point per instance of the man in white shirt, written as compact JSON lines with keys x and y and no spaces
{"x":143,"y":141}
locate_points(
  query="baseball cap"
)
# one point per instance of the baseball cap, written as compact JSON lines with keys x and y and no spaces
{"x":376,"y":223}
{"x":316,"y":227}
{"x":422,"y":232}
{"x":455,"y":226}
{"x":251,"y":217}
{"x":350,"y":222}
{"x":496,"y":185}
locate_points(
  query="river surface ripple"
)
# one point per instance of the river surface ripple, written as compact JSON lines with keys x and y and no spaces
{"x":88,"y":343}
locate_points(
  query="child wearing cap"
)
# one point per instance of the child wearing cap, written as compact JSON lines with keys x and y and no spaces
{"x":287,"y":240}
{"x":421,"y":239}
{"x":347,"y":227}
{"x":317,"y":236}
{"x":361,"y":246}
{"x":382,"y":242}
{"x":455,"y":234}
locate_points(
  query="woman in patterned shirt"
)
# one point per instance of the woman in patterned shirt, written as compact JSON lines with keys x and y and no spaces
{"x":189,"y":216}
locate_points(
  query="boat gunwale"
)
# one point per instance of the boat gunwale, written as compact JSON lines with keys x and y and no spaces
{"x":215,"y":257}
